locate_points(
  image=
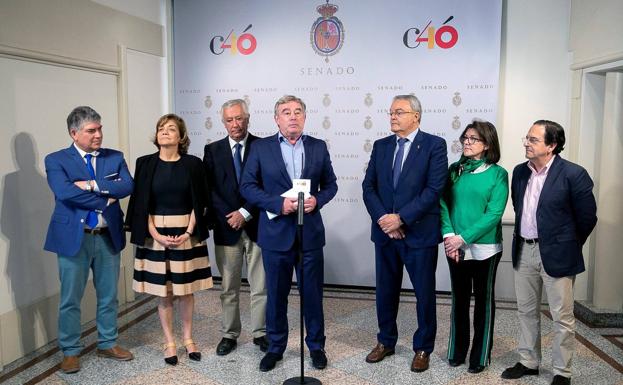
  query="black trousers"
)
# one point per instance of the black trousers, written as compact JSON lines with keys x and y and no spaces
{"x":479,"y":276}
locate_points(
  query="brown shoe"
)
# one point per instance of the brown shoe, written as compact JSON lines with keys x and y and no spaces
{"x":379,"y":352}
{"x":70,"y":364}
{"x":420,"y":361}
{"x":116,"y":353}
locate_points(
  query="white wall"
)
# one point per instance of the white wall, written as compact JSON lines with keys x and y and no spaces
{"x":48,"y":66}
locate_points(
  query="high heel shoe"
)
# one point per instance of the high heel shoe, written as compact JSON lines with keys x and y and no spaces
{"x":172,"y":360}
{"x":195,"y":356}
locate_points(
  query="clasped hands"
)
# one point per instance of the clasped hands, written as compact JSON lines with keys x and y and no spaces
{"x":452,"y":244}
{"x":290,"y":205}
{"x":235,"y":220}
{"x":391,"y":225}
{"x":170,"y":241}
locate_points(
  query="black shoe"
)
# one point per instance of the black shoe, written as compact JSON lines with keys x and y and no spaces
{"x":561,"y":380}
{"x":262,"y":342}
{"x":226,"y":346}
{"x":171,"y":360}
{"x":269,"y":361}
{"x":476,"y":369}
{"x":519,"y":371}
{"x":319,"y":359}
{"x":456,"y":362}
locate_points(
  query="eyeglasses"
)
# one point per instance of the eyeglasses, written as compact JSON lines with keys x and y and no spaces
{"x":399,"y":113}
{"x":470,"y":139}
{"x":531,"y":140}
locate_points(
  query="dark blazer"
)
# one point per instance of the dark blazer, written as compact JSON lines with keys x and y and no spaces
{"x":416,"y":197}
{"x":138,"y":208}
{"x":225,"y":192}
{"x":265,"y":178}
{"x":566,"y":215}
{"x":73,"y":204}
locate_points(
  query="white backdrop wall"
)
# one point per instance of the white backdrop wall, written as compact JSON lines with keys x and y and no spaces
{"x":454,"y":73}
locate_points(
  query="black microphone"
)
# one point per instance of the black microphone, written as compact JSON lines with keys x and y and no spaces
{"x":300,"y":209}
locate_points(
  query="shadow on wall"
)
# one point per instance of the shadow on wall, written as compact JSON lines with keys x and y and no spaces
{"x":26,"y":210}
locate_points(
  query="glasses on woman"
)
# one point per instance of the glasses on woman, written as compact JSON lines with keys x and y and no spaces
{"x":469,"y":139}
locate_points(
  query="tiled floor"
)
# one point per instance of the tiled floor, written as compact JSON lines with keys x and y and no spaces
{"x":351,"y":333}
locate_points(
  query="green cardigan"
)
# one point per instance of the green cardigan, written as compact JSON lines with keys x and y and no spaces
{"x":474,"y":205}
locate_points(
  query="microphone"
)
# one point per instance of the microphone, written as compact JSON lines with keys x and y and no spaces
{"x":300,"y":210}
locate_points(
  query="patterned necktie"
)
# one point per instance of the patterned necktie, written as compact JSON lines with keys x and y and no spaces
{"x":237,"y":160}
{"x":92,"y":216}
{"x":398,"y":161}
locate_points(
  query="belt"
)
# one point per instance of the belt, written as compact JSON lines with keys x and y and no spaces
{"x":97,"y":231}
{"x":530,"y":241}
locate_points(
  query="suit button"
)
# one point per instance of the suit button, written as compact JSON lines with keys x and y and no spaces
{"x":82,"y":221}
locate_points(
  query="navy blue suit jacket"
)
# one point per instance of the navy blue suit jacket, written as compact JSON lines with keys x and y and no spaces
{"x":225,"y":192}
{"x":265,"y":178}
{"x":73,"y":204}
{"x":566,"y":215}
{"x":416,"y":198}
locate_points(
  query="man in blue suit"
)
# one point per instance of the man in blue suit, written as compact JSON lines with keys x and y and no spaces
{"x":404,"y":180}
{"x":86,"y":232}
{"x":275,"y":164}
{"x":555,"y":212}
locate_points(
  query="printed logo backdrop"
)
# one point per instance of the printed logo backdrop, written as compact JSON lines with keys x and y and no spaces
{"x":346,"y":60}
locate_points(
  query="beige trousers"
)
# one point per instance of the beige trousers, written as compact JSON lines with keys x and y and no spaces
{"x":530,"y":277}
{"x":229,"y":260}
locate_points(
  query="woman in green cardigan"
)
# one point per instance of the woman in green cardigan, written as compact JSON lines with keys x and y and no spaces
{"x":471,"y":215}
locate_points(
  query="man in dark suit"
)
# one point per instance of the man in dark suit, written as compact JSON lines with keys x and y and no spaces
{"x":555,"y":212}
{"x":86,"y":232}
{"x":276,"y":164}
{"x":404,"y":180}
{"x":235,"y":228}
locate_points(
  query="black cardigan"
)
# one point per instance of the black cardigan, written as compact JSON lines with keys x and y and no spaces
{"x":138,"y":208}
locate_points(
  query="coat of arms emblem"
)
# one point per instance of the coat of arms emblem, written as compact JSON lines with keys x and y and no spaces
{"x":326,"y":123}
{"x":327,"y":32}
{"x":208,"y":123}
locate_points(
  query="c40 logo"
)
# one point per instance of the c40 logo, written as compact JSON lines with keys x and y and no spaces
{"x":444,"y":37}
{"x":245,"y":43}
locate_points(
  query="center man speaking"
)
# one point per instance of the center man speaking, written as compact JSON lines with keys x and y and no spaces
{"x":277,"y":166}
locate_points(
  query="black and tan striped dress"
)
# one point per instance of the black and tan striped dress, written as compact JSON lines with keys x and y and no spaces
{"x":181,"y":270}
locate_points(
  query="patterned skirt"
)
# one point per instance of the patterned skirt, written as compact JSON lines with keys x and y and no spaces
{"x":182,"y":270}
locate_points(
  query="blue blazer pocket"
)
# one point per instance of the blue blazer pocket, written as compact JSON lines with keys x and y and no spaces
{"x":113,"y":176}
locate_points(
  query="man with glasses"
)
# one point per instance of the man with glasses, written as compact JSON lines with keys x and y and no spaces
{"x":555,"y":212}
{"x":277,"y":164}
{"x":401,"y":190}
{"x":235,"y":228}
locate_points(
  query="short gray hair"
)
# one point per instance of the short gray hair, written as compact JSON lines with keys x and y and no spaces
{"x":414,"y":102}
{"x":287,"y":99}
{"x":81,"y":115}
{"x":236,"y":102}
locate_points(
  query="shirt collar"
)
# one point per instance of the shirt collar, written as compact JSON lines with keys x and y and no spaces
{"x":410,"y":137}
{"x":284,"y":139}
{"x":83,"y":153}
{"x":545,"y":169}
{"x":242,"y":142}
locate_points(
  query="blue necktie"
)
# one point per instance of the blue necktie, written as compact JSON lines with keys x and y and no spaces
{"x":398,"y":161}
{"x":92,"y":216}
{"x":237,"y":160}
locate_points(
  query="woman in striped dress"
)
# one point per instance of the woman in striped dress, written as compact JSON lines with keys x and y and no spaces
{"x":471,"y":215}
{"x":167,"y":216}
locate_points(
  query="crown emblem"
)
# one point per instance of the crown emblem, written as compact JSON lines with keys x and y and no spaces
{"x":327,"y":10}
